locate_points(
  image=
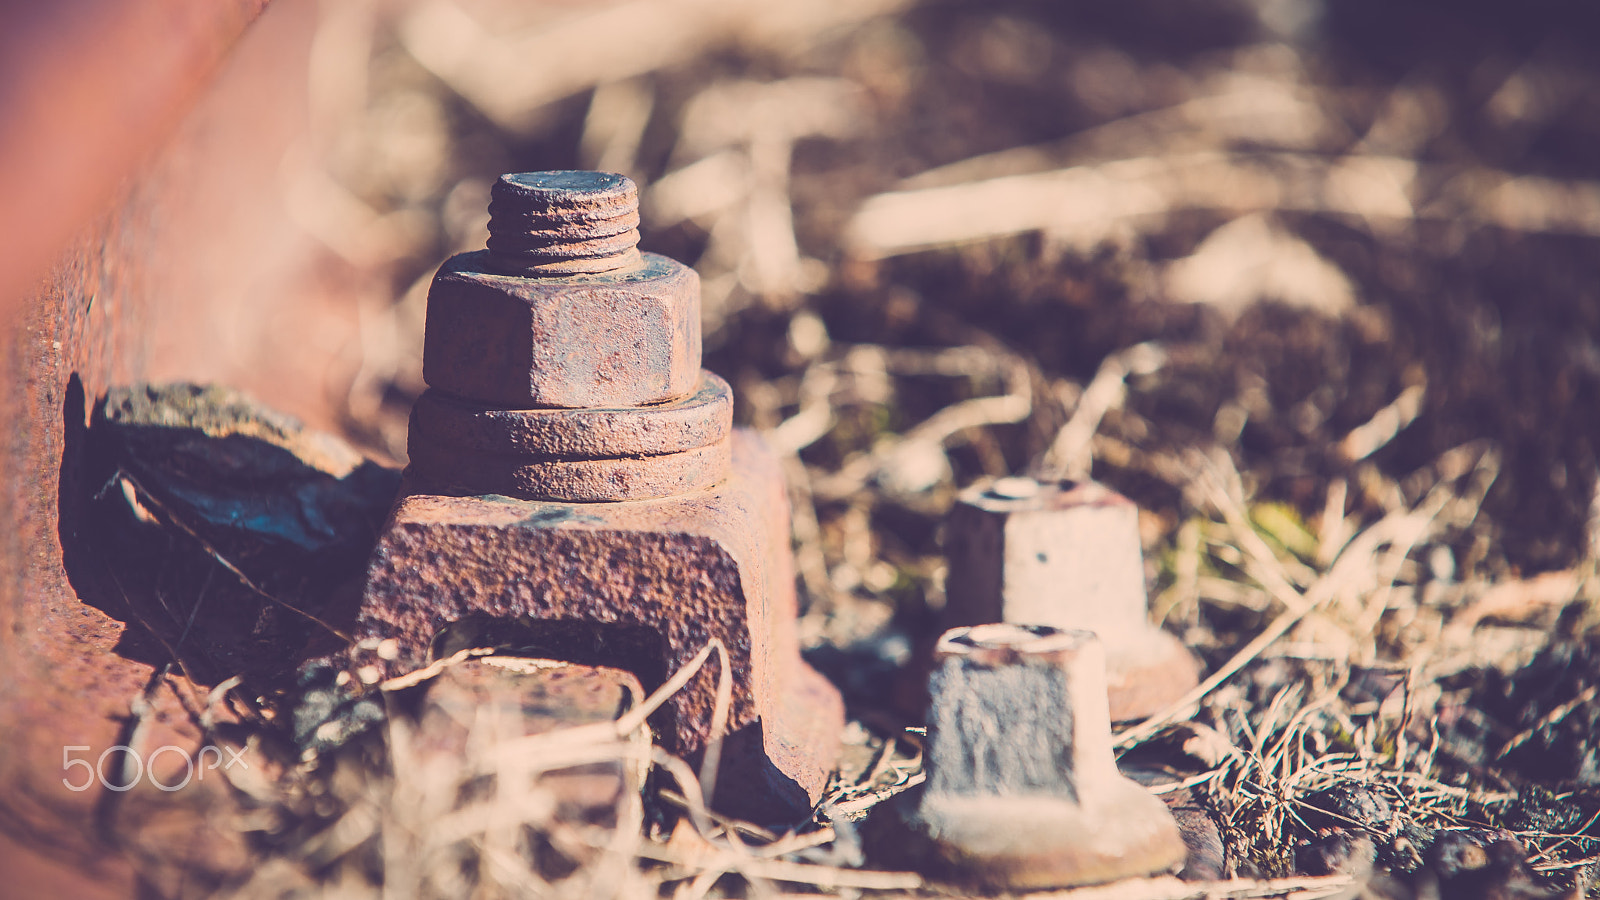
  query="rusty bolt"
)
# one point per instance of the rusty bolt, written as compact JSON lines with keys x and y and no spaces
{"x":563,"y":223}
{"x":562,"y":310}
{"x":1065,"y":554}
{"x":576,"y":488}
{"x":1022,"y":790}
{"x":563,"y":365}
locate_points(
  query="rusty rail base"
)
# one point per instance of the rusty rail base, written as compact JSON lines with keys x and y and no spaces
{"x":640,"y":585}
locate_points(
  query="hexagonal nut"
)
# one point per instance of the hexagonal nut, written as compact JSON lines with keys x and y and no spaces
{"x":623,"y":338}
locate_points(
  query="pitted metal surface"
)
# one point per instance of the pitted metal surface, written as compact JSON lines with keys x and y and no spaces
{"x":1065,"y":554}
{"x":450,"y":471}
{"x":563,"y":222}
{"x":700,"y":419}
{"x":638,"y":585}
{"x":575,"y":487}
{"x":622,"y":338}
{"x":1023,"y":792}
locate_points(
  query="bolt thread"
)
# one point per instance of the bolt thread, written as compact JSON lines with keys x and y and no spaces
{"x":563,"y":223}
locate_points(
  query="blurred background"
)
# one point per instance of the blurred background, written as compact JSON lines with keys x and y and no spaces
{"x":1297,"y":267}
{"x":924,"y":228}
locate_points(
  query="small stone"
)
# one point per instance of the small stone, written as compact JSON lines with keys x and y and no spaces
{"x":1014,"y":488}
{"x":1349,"y":804}
{"x":1335,"y":851}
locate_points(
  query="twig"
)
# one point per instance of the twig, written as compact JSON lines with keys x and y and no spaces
{"x":1371,"y":436}
{"x":1013,"y":406}
{"x":719,"y":724}
{"x":1320,"y":592}
{"x":1552,"y":717}
{"x":1070,"y":454}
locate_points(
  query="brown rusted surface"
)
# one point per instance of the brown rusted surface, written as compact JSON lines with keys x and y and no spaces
{"x":642,"y":585}
{"x":1023,"y":792}
{"x":702,"y":418}
{"x":1148,"y":671}
{"x":620,"y":338}
{"x":192,"y":271}
{"x":90,"y":88}
{"x":1065,"y":554}
{"x":476,"y":706}
{"x":621,"y":524}
{"x":563,"y":222}
{"x":569,"y":480}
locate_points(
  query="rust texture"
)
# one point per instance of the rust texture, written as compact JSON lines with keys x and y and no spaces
{"x":1023,"y":791}
{"x":92,"y":87}
{"x":620,"y":338}
{"x":155,"y":130}
{"x":576,"y":492}
{"x":702,"y":418}
{"x":638,"y":585}
{"x":574,"y":480}
{"x":1065,"y":554}
{"x":578,"y":455}
{"x":563,"y":222}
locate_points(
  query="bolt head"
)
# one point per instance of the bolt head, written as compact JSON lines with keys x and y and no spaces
{"x":1022,"y":790}
{"x":1067,"y":555}
{"x":623,"y":338}
{"x":1064,"y":554}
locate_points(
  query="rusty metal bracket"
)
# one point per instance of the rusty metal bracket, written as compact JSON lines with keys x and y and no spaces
{"x":576,"y":491}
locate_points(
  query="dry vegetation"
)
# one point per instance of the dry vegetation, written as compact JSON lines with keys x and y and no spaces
{"x":1316,"y":287}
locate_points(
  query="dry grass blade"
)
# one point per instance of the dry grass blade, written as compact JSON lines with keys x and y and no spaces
{"x":719,"y":724}
{"x":510,"y":76}
{"x":1403,"y":527}
{"x":1070,"y":455}
{"x":1013,"y":406}
{"x":1089,"y":201}
{"x":1170,"y":888}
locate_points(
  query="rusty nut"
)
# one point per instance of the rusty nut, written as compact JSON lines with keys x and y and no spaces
{"x":1022,"y":790}
{"x":1065,"y":554}
{"x":626,"y":337}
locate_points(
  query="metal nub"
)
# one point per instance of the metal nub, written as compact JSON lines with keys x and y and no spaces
{"x":563,"y":222}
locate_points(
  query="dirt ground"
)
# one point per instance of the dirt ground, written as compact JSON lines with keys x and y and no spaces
{"x":1317,"y":286}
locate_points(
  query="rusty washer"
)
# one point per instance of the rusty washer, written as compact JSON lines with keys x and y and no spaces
{"x":702,"y":418}
{"x":575,"y":455}
{"x":570,"y":480}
